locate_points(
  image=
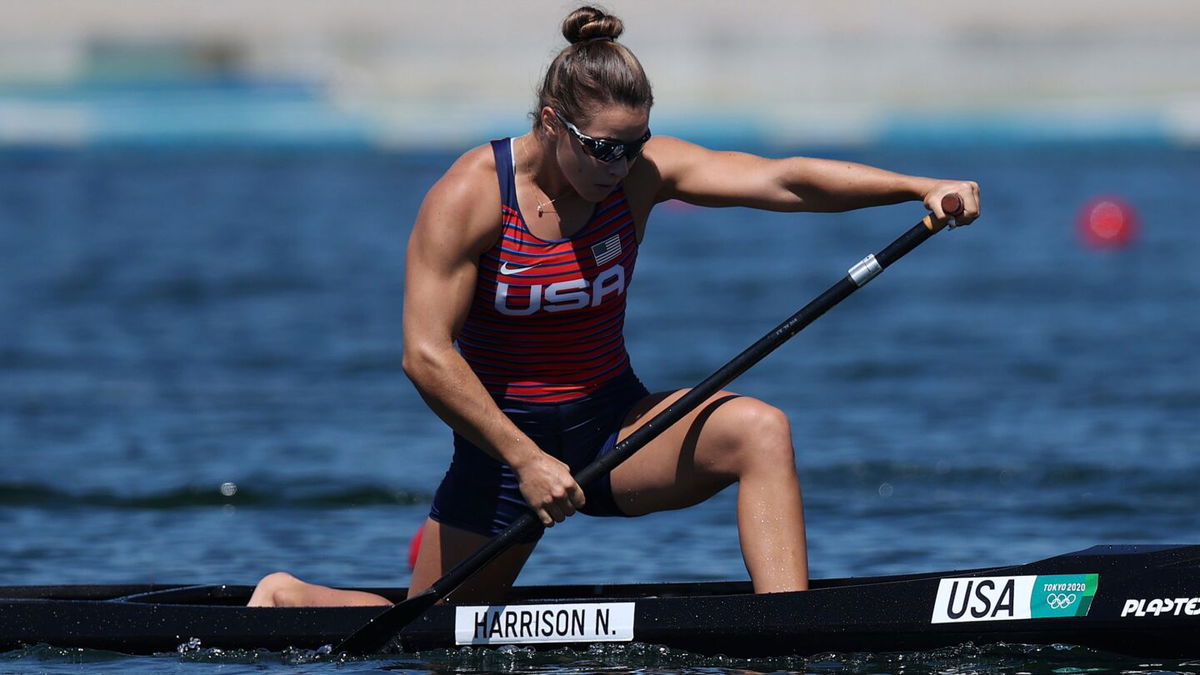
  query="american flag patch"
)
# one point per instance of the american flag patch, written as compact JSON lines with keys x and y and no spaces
{"x":607,"y":249}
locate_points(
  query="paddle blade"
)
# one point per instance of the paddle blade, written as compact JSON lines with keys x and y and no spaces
{"x":378,"y":633}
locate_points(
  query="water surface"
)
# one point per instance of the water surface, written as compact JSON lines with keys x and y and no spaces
{"x":200,"y":382}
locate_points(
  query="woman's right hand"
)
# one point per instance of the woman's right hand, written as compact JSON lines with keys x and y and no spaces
{"x":548,"y":488}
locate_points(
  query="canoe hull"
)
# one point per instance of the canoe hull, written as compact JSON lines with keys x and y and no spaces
{"x":1137,"y":600}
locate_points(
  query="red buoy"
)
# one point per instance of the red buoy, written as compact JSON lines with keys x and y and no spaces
{"x":1107,"y":222}
{"x":414,"y":546}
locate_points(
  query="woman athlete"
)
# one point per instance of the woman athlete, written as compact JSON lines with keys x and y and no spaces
{"x":521,"y":257}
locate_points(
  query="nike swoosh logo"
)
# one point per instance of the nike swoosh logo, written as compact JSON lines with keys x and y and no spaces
{"x":505,"y":269}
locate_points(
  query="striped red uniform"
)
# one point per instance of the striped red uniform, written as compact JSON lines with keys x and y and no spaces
{"x":547,"y":320}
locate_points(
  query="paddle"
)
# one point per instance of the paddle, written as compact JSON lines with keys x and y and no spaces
{"x":381,"y":630}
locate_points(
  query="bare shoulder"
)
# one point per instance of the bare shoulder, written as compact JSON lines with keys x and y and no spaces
{"x":670,"y":146}
{"x":699,"y":175}
{"x":655,"y":176}
{"x":672,"y":155}
{"x":463,"y":206}
{"x":656,"y":168}
{"x":461,"y":185}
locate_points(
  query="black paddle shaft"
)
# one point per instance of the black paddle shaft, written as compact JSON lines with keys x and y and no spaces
{"x":858,"y":276}
{"x":380,"y":631}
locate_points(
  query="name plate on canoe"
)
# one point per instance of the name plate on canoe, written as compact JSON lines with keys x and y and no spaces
{"x":525,"y":624}
{"x":1046,"y":596}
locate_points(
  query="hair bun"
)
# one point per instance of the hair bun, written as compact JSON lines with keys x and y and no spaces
{"x":589,"y":23}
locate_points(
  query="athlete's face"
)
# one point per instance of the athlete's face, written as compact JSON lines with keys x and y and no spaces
{"x":592,"y":178}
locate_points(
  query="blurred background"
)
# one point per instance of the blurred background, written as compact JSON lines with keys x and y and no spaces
{"x":444,"y":74}
{"x":203,"y":211}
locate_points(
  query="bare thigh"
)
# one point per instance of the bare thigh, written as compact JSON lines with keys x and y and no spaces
{"x":443,"y":547}
{"x":693,"y":459}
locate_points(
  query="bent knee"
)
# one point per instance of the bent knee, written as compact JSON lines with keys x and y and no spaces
{"x":758,"y":421}
{"x":770,"y":420}
{"x":764,"y":434}
{"x":277,"y":579}
{"x":280,"y":588}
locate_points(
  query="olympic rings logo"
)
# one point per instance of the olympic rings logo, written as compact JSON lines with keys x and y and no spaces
{"x":1061,"y":600}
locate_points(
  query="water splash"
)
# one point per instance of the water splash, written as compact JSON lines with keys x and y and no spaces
{"x":641,"y":658}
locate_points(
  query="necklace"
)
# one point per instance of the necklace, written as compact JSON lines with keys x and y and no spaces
{"x":542,"y":205}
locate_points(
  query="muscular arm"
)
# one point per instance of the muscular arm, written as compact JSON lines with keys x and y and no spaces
{"x":710,"y":178}
{"x":457,"y":222}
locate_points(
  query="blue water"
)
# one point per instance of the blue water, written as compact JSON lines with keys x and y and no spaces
{"x":172,"y":322}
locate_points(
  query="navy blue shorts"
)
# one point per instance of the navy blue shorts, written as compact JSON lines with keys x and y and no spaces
{"x":480,"y":494}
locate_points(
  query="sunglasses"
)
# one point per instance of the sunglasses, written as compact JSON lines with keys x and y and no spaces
{"x":604,"y":149}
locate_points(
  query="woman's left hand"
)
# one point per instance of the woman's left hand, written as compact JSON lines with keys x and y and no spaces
{"x":968,"y":190}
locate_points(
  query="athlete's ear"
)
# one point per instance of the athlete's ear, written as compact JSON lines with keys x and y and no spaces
{"x":549,"y":121}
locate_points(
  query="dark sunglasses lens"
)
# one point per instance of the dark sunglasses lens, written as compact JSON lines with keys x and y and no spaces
{"x":607,"y":151}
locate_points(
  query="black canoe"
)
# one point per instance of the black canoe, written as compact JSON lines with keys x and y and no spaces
{"x":1137,"y":600}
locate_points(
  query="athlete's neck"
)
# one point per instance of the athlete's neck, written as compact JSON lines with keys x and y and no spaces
{"x":535,"y":162}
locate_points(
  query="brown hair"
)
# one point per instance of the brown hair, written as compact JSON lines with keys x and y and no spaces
{"x":593,"y":70}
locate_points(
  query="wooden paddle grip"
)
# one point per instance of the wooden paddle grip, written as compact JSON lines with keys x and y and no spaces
{"x":952,"y":205}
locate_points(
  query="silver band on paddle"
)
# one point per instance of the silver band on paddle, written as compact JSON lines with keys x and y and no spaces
{"x":865,"y":270}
